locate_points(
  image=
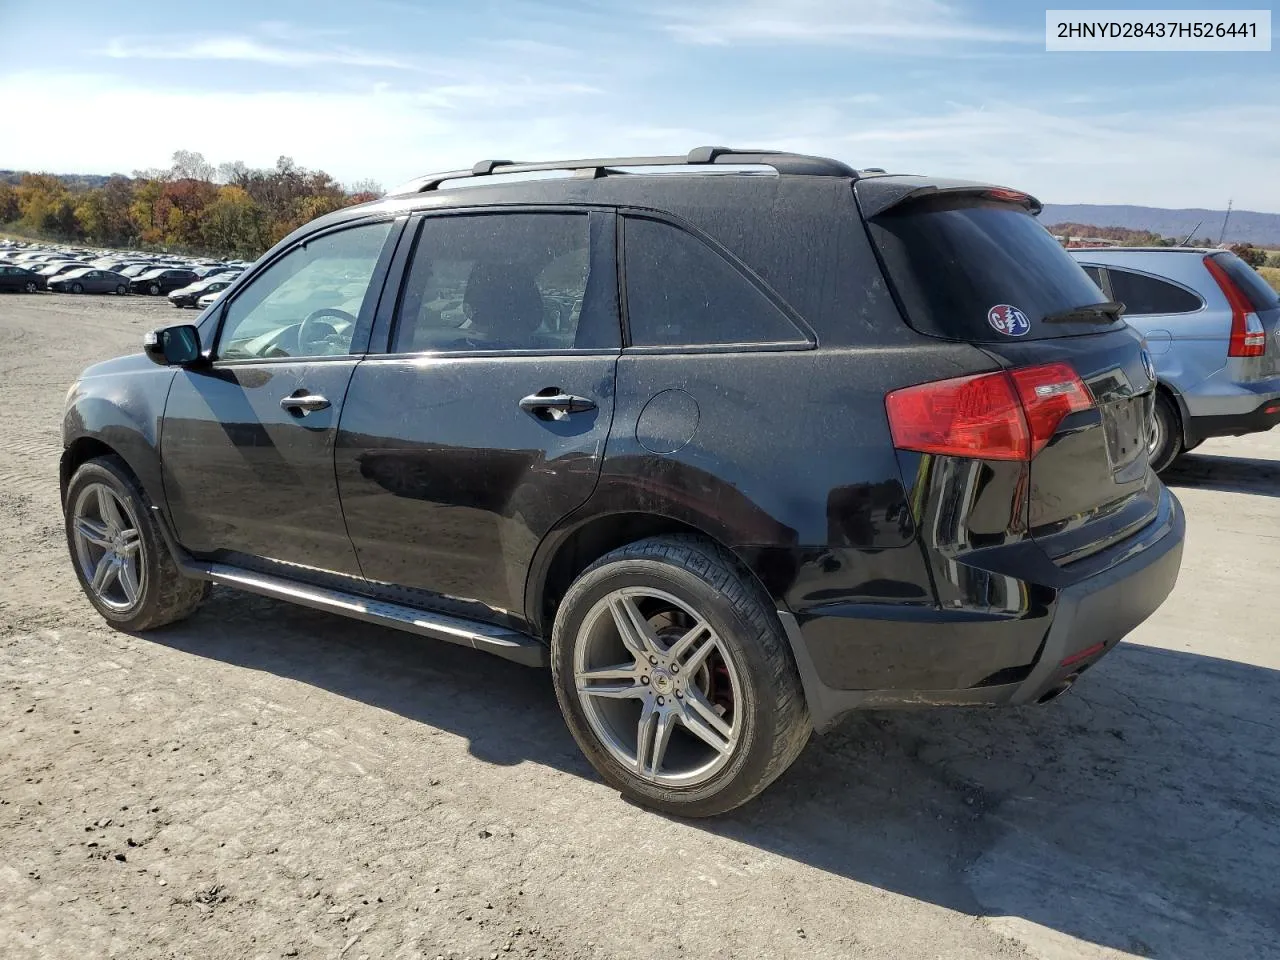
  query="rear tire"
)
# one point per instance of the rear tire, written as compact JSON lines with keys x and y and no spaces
{"x":145,"y":590}
{"x":1166,"y":434}
{"x":723,"y":724}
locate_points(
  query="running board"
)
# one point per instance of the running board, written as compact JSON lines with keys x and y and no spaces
{"x":508,"y":644}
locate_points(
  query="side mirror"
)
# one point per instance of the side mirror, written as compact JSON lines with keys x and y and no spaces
{"x":173,"y":346}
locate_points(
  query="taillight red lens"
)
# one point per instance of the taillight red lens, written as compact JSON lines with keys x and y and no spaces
{"x":1248,"y":336}
{"x":992,"y":416}
{"x":1048,"y":394}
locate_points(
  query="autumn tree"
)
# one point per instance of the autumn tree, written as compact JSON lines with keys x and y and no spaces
{"x":1249,"y":254}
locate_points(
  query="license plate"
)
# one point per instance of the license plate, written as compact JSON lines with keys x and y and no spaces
{"x":1126,"y":423}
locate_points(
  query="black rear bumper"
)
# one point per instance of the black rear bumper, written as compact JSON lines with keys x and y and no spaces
{"x":1080,"y":625}
{"x":1266,"y":416}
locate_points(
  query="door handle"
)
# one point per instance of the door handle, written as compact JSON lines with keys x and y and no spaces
{"x":554,"y":405}
{"x":303,"y":403}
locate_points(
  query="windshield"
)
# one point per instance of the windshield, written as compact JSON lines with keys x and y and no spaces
{"x":965,"y":268}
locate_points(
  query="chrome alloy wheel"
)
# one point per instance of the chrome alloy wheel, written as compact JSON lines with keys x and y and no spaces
{"x":108,"y":546}
{"x":657,"y":687}
{"x":1156,"y":438}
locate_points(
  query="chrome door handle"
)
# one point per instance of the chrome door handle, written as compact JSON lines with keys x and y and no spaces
{"x":555,"y":405}
{"x":303,"y":403}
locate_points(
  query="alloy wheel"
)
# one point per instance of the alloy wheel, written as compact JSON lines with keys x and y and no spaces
{"x":31,"y":286}
{"x":108,"y":546}
{"x":657,"y":687}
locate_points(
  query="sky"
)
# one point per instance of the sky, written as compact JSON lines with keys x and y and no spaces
{"x":391,"y":89}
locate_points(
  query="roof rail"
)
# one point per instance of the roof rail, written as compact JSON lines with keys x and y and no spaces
{"x":781,"y":161}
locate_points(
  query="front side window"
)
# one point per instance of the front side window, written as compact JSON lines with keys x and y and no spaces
{"x":681,"y":292}
{"x":502,"y":281}
{"x":1142,"y":295}
{"x":307,"y":303}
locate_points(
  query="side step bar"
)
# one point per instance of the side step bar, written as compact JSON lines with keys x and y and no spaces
{"x":507,"y":644}
{"x":500,"y":641}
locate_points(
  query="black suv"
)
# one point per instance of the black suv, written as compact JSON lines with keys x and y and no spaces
{"x":735,"y":442}
{"x":156,"y":282}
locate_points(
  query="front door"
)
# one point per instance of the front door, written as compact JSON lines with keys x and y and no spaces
{"x":248,"y":440}
{"x":485,"y":422}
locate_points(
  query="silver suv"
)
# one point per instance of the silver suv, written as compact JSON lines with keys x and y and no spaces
{"x":1212,"y":326}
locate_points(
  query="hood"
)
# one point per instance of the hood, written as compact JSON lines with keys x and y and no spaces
{"x":127,"y":364}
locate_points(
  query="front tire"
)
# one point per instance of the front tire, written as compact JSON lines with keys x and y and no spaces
{"x":77,"y":288}
{"x":121,"y":289}
{"x":154,"y":289}
{"x":675,"y":677}
{"x":31,"y":286}
{"x":1165,"y":444}
{"x":119,"y":554}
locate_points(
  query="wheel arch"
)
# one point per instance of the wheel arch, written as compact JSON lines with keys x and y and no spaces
{"x":570,"y":549}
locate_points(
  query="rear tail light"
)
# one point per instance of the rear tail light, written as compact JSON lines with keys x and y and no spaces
{"x":993,"y":416}
{"x":1248,"y":336}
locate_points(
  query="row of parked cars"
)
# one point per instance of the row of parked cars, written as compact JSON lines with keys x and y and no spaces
{"x":188,"y":282}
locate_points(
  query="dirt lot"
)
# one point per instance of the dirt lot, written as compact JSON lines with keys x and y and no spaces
{"x":267,"y":781}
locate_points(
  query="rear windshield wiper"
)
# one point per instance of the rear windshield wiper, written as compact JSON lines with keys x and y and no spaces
{"x":1108,"y":311}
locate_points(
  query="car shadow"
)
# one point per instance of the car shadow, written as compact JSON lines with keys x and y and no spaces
{"x":1140,"y":813}
{"x":1228,"y":474}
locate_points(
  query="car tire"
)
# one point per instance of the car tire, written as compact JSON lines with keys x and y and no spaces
{"x":31,"y":287}
{"x":154,"y":289}
{"x":145,"y":590}
{"x":121,"y":289}
{"x":739,"y":667}
{"x":77,"y":288}
{"x":1166,"y":434}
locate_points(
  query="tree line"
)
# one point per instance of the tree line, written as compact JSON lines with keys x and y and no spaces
{"x":190,"y":207}
{"x":1125,"y":237}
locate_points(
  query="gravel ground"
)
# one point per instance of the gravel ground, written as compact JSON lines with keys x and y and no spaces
{"x":268,"y":781}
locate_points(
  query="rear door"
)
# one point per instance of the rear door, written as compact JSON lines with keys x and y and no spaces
{"x":485,"y":421}
{"x":248,"y":439}
{"x":977,"y":267}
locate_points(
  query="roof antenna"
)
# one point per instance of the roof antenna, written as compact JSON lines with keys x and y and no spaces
{"x":1191,"y":234}
{"x":1225,"y":220}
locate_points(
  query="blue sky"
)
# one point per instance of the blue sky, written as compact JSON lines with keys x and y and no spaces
{"x":388,"y":89}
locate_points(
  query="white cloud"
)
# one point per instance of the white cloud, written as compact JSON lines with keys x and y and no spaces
{"x":1059,"y":150}
{"x":245,"y":49}
{"x":833,"y":22}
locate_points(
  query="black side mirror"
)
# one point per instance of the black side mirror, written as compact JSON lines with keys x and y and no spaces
{"x":173,"y":346}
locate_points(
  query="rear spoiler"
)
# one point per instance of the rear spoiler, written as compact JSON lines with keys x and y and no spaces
{"x":879,"y":194}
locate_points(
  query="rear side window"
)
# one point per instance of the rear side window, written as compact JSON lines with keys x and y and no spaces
{"x":503,"y":281}
{"x":1250,"y":282}
{"x":681,"y":292}
{"x":1141,"y":294}
{"x":954,"y":260}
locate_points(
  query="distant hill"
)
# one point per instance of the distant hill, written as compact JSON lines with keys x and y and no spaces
{"x":1246,"y":226}
{"x":74,"y":181}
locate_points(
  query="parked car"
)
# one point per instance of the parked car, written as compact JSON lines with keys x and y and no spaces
{"x":20,"y":278}
{"x":137,"y":269}
{"x":90,"y":281}
{"x":208,"y":299}
{"x":188,"y":296}
{"x":58,"y":268}
{"x":844,"y":440}
{"x":1212,"y":325}
{"x":156,"y":282}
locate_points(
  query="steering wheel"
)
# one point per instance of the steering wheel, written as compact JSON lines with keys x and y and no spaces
{"x":309,"y":329}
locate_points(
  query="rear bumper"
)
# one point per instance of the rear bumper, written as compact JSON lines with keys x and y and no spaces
{"x":1081,"y":623}
{"x":1258,"y":420}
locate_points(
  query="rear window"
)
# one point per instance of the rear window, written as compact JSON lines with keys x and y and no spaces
{"x":959,"y":263}
{"x":1250,"y":282}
